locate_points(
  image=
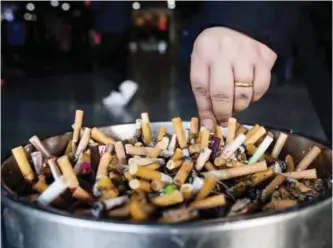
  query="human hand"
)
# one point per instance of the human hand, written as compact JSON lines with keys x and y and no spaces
{"x":221,"y":57}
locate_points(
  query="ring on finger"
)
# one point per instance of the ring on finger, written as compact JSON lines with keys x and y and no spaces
{"x":243,"y":85}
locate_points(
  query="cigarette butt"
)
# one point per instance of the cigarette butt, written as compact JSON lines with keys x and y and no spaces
{"x":187,"y":191}
{"x":41,"y":185}
{"x":54,"y":168}
{"x":235,"y":163}
{"x":38,"y":144}
{"x":155,"y":152}
{"x":237,"y":172}
{"x":219,"y":134}
{"x":204,"y":138}
{"x":279,"y":205}
{"x":194,"y":127}
{"x":152,"y":166}
{"x":194,"y":148}
{"x":122,"y":212}
{"x":115,"y":202}
{"x":179,"y":215}
{"x":77,"y":125}
{"x":23,"y":163}
{"x":210,"y":202}
{"x":162,"y":131}
{"x":272,"y":186}
{"x":209,"y":166}
{"x":241,"y":129}
{"x":179,"y":130}
{"x":102,"y":170}
{"x":157,"y":185}
{"x":209,"y":184}
{"x":290,"y":163}
{"x":149,"y":174}
{"x":136,"y":151}
{"x":81,"y":194}
{"x":108,"y":194}
{"x":104,"y":183}
{"x":251,"y":149}
{"x":142,"y":185}
{"x":58,"y":187}
{"x":100,"y":137}
{"x":178,"y":154}
{"x":279,"y":145}
{"x":255,"y":136}
{"x":120,"y":152}
{"x":218,"y":161}
{"x":261,"y":150}
{"x":128,"y":176}
{"x":138,"y":127}
{"x":83,"y":142}
{"x":69,"y":148}
{"x":183,"y":172}
{"x":305,"y":174}
{"x":231,"y":130}
{"x":145,"y":161}
{"x":146,"y":129}
{"x":308,"y":159}
{"x":259,"y":177}
{"x":175,"y":197}
{"x":174,"y":164}
{"x":254,"y":129}
{"x":37,"y":161}
{"x":202,"y":159}
{"x":137,"y":211}
{"x":67,"y":170}
{"x":138,"y":144}
{"x":230,"y":149}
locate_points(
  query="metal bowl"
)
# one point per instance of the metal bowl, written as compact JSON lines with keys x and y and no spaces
{"x":28,"y":225}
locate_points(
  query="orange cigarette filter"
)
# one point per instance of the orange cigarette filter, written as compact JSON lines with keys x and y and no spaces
{"x":279,"y":145}
{"x":120,"y":152}
{"x":161,"y":133}
{"x":77,"y":125}
{"x":254,"y":129}
{"x":241,"y":129}
{"x":152,"y":166}
{"x":187,"y":191}
{"x":81,"y":194}
{"x":209,"y":166}
{"x":128,"y":176}
{"x":194,"y":148}
{"x":219,"y":134}
{"x":272,"y":186}
{"x":179,"y":215}
{"x":305,"y":174}
{"x":179,"y":130}
{"x":23,"y":163}
{"x":142,"y":185}
{"x":174,"y":164}
{"x":204,"y":138}
{"x":178,"y":154}
{"x":122,"y":212}
{"x":279,"y":205}
{"x":68,"y":148}
{"x":183,"y":172}
{"x":157,"y":185}
{"x":218,"y":161}
{"x":41,"y":185}
{"x":290,"y":163}
{"x":309,"y":158}
{"x":108,"y":194}
{"x":194,"y":127}
{"x":232,"y":123}
{"x":255,"y":136}
{"x":147,"y":173}
{"x":259,"y":177}
{"x":209,"y":184}
{"x":137,"y":211}
{"x":251,"y":149}
{"x":100,"y":137}
{"x":146,"y":129}
{"x":210,"y":202}
{"x":67,"y":170}
{"x":172,"y":198}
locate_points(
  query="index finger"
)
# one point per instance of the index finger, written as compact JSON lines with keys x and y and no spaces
{"x":199,"y":77}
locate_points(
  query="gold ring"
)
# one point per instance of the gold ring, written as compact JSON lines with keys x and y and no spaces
{"x":243,"y":85}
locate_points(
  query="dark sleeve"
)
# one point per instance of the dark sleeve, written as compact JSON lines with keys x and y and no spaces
{"x":272,"y":23}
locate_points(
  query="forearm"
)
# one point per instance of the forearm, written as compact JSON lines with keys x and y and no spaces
{"x":272,"y":23}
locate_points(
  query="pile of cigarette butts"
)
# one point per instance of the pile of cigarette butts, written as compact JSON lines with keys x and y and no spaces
{"x":191,"y":174}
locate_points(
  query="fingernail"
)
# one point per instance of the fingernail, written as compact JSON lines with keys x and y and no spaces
{"x":224,"y":124}
{"x":208,"y":123}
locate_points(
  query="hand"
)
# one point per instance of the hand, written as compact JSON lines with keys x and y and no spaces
{"x":221,"y":57}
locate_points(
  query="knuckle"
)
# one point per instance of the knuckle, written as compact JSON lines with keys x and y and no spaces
{"x":242,"y":97}
{"x":200,"y":90}
{"x":221,"y":97}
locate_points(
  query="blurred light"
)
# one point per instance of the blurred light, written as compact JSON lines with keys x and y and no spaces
{"x":136,"y":5}
{"x":54,"y":3}
{"x":162,"y":47}
{"x":30,"y":6}
{"x":27,"y":16}
{"x":65,"y":6}
{"x":9,"y":15}
{"x":34,"y":17}
{"x":87,"y":2}
{"x":171,"y":6}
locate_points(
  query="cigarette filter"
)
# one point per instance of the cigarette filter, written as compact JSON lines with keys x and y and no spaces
{"x":210,"y":202}
{"x":100,"y":137}
{"x":308,"y":159}
{"x":209,"y":184}
{"x":261,"y":150}
{"x":39,"y":146}
{"x":183,"y":172}
{"x":202,"y":159}
{"x":23,"y":163}
{"x":58,"y":187}
{"x":146,"y":129}
{"x":173,"y":198}
{"x":231,"y":130}
{"x":179,"y":130}
{"x":279,"y":145}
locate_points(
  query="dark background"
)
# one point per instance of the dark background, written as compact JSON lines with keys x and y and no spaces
{"x":52,"y":65}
